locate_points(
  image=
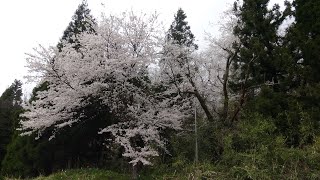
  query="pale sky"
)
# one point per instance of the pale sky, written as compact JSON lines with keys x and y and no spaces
{"x":27,"y":23}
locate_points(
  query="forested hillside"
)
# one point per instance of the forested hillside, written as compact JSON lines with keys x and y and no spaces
{"x":125,"y":97}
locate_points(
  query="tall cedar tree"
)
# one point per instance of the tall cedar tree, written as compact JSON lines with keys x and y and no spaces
{"x":179,"y":35}
{"x":179,"y":48}
{"x":304,"y":37}
{"x":10,"y":107}
{"x":259,"y":60}
{"x":257,"y":27}
{"x":179,"y":32}
{"x":303,"y":80}
{"x":82,"y":21}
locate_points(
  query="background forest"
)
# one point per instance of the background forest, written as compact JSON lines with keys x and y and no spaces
{"x":123,"y":96}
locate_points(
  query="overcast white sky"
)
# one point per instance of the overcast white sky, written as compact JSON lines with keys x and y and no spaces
{"x":27,"y":23}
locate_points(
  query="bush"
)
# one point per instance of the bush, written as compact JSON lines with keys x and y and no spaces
{"x":210,"y":146}
{"x":257,"y":151}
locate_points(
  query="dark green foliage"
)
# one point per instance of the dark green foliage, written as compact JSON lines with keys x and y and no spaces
{"x":273,"y":72}
{"x":73,"y":147}
{"x":294,"y":118}
{"x":258,"y":151}
{"x":10,"y":109}
{"x":299,"y":121}
{"x":268,"y":102}
{"x":302,"y":40}
{"x":210,"y":145}
{"x":42,"y":87}
{"x":25,"y":158}
{"x":307,"y":35}
{"x":12,"y":97}
{"x":261,"y":58}
{"x":82,"y":21}
{"x":180,"y":32}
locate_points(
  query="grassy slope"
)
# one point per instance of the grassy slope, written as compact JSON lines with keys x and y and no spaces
{"x":188,"y":172}
{"x":100,"y":174}
{"x":85,"y":174}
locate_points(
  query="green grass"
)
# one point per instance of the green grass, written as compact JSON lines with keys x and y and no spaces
{"x":101,"y":174}
{"x":83,"y":174}
{"x":98,"y":174}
